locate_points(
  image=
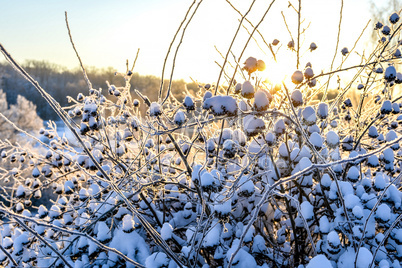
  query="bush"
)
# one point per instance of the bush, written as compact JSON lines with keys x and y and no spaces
{"x":220,"y":179}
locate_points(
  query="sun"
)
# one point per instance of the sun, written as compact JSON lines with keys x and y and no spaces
{"x":278,"y":71}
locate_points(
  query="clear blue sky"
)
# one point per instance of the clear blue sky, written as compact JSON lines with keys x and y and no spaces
{"x":106,"y":33}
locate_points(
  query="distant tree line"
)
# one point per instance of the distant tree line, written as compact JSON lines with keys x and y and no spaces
{"x":61,"y":82}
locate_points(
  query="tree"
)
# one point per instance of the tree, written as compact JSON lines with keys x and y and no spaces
{"x":22,"y":114}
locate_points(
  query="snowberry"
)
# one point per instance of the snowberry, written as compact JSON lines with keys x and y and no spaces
{"x":250,"y":65}
{"x":309,"y":116}
{"x":291,"y":44}
{"x":313,"y":46}
{"x":344,"y":51}
{"x":378,"y":26}
{"x":297,"y":77}
{"x":308,"y":73}
{"x":261,"y":65}
{"x":261,"y":102}
{"x":297,"y":98}
{"x":386,"y":30}
{"x":394,"y":18}
{"x":390,"y":74}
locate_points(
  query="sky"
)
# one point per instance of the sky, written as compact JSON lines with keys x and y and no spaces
{"x":107,"y":33}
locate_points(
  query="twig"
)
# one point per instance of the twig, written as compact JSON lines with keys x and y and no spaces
{"x":89,"y":84}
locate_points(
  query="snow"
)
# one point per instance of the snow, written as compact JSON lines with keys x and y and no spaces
{"x":364,"y":259}
{"x":166,"y":231}
{"x":309,"y":116}
{"x":358,"y":212}
{"x":297,"y":98}
{"x":319,"y":261}
{"x":304,"y":163}
{"x":213,"y":235}
{"x":388,"y":156}
{"x":372,"y":132}
{"x":391,"y":135}
{"x":240,"y":137}
{"x":7,"y":242}
{"x":247,"y":90}
{"x":353,"y":174}
{"x":242,"y":259}
{"x":252,"y":125}
{"x":394,"y":18}
{"x":130,"y":244}
{"x":21,"y":192}
{"x":179,"y":118}
{"x":297,"y":77}
{"x":333,"y":239}
{"x":250,"y":65}
{"x":128,"y":224}
{"x":332,"y":139}
{"x":307,"y":210}
{"x":386,"y":107}
{"x":188,"y":103}
{"x":279,"y":127}
{"x":390,"y":72}
{"x":326,"y":181}
{"x":155,"y":109}
{"x":308,"y":73}
{"x":395,"y":108}
{"x":221,"y":105}
{"x":246,"y":186}
{"x":372,"y":161}
{"x":316,"y":140}
{"x":261,"y":101}
{"x":383,"y":213}
{"x":322,"y":110}
{"x":386,"y":30}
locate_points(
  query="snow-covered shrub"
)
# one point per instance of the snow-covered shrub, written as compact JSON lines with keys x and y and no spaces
{"x":248,"y":174}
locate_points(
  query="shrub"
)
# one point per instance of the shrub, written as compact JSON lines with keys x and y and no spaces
{"x":267,"y":182}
